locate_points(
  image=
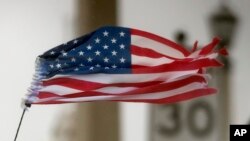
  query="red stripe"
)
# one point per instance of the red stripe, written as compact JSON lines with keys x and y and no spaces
{"x":73,"y":83}
{"x":177,"y":66}
{"x":161,"y":40}
{"x":195,"y":46}
{"x":43,"y":95}
{"x":209,"y":48}
{"x":87,"y":85}
{"x":148,"y":89}
{"x":140,"y":51}
{"x":176,"y":98}
{"x":223,"y":51}
{"x":52,"y":102}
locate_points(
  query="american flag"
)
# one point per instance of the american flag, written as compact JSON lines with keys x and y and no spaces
{"x":122,"y":64}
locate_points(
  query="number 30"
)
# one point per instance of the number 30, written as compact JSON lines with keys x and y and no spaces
{"x":175,"y":118}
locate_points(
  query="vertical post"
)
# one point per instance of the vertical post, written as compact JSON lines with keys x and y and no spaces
{"x":223,"y":24}
{"x":97,"y":121}
{"x":102,"y":121}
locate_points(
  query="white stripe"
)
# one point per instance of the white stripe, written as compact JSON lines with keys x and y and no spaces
{"x":156,"y":46}
{"x":146,"y":61}
{"x":127,"y":78}
{"x":212,"y":55}
{"x":194,"y":54}
{"x":209,"y":55}
{"x":60,"y":90}
{"x":158,"y":95}
{"x":115,"y":90}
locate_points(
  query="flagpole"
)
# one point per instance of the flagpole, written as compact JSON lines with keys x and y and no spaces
{"x":20,"y":122}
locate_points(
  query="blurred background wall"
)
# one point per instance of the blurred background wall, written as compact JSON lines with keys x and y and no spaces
{"x":30,"y":27}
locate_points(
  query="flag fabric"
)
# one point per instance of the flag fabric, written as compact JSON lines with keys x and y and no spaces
{"x":122,"y":64}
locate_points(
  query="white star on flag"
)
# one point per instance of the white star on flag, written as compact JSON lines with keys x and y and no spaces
{"x":75,"y":41}
{"x":51,"y":66}
{"x":114,"y":53}
{"x":97,"y":40}
{"x":122,"y":60}
{"x":113,"y":40}
{"x":81,"y":53}
{"x":65,"y":54}
{"x":105,"y":33}
{"x":89,"y":47}
{"x":73,"y":59}
{"x":122,"y":46}
{"x":114,"y":66}
{"x":106,"y":59}
{"x":97,"y":53}
{"x":90,"y":59}
{"x":122,"y":34}
{"x":105,"y":46}
{"x":52,"y":52}
{"x":58,"y":65}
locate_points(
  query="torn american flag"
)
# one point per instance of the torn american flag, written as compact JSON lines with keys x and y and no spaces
{"x":122,"y":64}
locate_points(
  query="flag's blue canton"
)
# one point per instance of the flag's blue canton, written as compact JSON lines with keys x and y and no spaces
{"x":107,"y":50}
